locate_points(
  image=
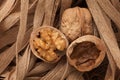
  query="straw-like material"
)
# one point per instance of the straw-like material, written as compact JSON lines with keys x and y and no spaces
{"x":19,"y":18}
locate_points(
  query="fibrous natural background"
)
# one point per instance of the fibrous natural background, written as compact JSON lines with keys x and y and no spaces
{"x":18,"y":18}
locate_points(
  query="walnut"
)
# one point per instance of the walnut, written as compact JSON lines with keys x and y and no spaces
{"x":48,"y":43}
{"x":86,"y":52}
{"x":76,"y":22}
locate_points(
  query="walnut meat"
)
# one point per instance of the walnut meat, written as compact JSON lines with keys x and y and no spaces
{"x":48,"y":43}
{"x":76,"y":22}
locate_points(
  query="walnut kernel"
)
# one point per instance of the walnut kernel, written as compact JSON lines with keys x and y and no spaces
{"x":45,"y":41}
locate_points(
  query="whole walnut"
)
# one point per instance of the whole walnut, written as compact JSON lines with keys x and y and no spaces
{"x":76,"y":22}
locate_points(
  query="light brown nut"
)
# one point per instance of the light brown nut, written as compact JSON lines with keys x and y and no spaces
{"x":87,"y":25}
{"x":76,"y":22}
{"x":86,"y":52}
{"x":48,"y":43}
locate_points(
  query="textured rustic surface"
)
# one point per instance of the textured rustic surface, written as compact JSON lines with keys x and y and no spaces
{"x":18,"y":18}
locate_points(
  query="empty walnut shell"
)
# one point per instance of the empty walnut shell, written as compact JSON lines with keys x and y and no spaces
{"x":76,"y":22}
{"x":86,"y":52}
{"x":48,"y":43}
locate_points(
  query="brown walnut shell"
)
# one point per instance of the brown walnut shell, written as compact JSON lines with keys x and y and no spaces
{"x":48,"y":43}
{"x":76,"y":22}
{"x":86,"y":52}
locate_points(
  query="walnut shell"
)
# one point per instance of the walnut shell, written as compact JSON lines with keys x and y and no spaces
{"x":76,"y":22}
{"x":86,"y":52}
{"x":48,"y":43}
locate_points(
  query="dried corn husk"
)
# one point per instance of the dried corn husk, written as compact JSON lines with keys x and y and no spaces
{"x":42,"y":67}
{"x":17,"y":22}
{"x":104,"y":30}
{"x":75,"y":75}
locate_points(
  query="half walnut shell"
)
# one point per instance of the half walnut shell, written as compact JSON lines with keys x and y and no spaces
{"x":48,"y":43}
{"x":86,"y":52}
